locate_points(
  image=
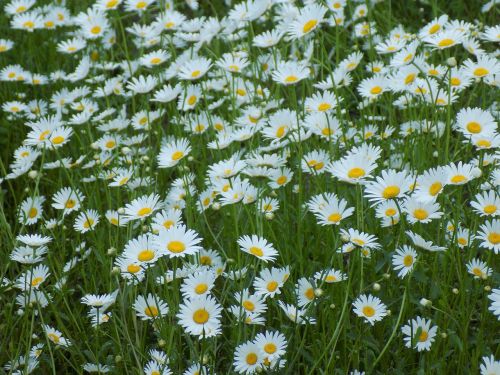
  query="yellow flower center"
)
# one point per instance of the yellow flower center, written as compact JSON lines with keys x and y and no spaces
{"x":434,"y":28}
{"x":176,"y":246}
{"x":111,"y":4}
{"x":195,"y":74}
{"x":141,"y":5}
{"x":58,"y":140}
{"x":356,"y":172}
{"x":368,"y":311}
{"x":95,"y":30}
{"x":36,"y":281}
{"x":326,"y":131}
{"x":494,"y":238}
{"x":458,"y":179}
{"x":423,"y":336}
{"x":32,"y":212}
{"x":490,"y":209}
{"x":391,"y":192}
{"x":192,"y":99}
{"x":201,"y":316}
{"x":309,"y":25}
{"x":272,"y":286}
{"x":291,"y":79}
{"x":241,"y":92}
{"x":88,"y":223}
{"x":155,"y":60}
{"x":420,"y":214}
{"x":49,"y":24}
{"x":53,"y":337}
{"x":408,"y":260}
{"x":281,"y":180}
{"x":257,"y":251}
{"x":390,"y":212}
{"x":335,"y":217}
{"x":480,"y":72}
{"x":206,"y":260}
{"x":169,"y":25}
{"x":70,"y":203}
{"x":309,"y":294}
{"x":146,"y":255}
{"x":330,"y":278}
{"x":151,"y":311}
{"x":408,"y":58}
{"x":201,"y":288}
{"x":324,"y":107}
{"x":477,"y":271}
{"x":270,"y":348}
{"x":455,"y":81}
{"x":177,"y":155}
{"x":248,"y":305}
{"x":280,"y":132}
{"x":110,"y":144}
{"x":376,"y":90}
{"x":133,"y":268}
{"x":29,"y":24}
{"x":410,"y":78}
{"x":251,"y":359}
{"x":144,"y":211}
{"x":474,"y":127}
{"x":483,"y":143}
{"x":462,"y":241}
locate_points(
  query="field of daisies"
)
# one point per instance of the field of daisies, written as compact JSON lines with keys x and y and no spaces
{"x":238,"y":187}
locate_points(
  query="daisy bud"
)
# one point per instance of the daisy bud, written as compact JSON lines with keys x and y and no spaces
{"x":318,"y":292}
{"x":32,"y":174}
{"x":145,"y":158}
{"x":487,"y":288}
{"x":376,"y":287}
{"x":332,"y":306}
{"x":118,"y":359}
{"x":216,"y":206}
{"x":476,"y":172}
{"x":455,"y":291}
{"x":259,"y":370}
{"x":145,"y":228}
{"x":435,"y":154}
{"x":26,"y":190}
{"x":111,"y":251}
{"x":344,"y":238}
{"x":205,"y":359}
{"x":94,"y":146}
{"x":148,"y":169}
{"x":296,"y":188}
{"x":121,"y":210}
{"x":96,"y":156}
{"x":190,"y":158}
{"x":162,"y":343}
{"x":386,"y":276}
{"x":269,"y":215}
{"x":484,"y":276}
{"x":444,"y":335}
{"x":115,"y":271}
{"x":451,"y":62}
{"x":126,"y":150}
{"x":64,"y":227}
{"x":20,"y":312}
{"x":273,"y":194}
{"x":425,"y":302}
{"x":230,"y":260}
{"x":389,"y":312}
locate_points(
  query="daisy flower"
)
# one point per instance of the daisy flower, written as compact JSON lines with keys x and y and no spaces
{"x":333,"y":212}
{"x":141,"y":250}
{"x":419,"y":334}
{"x":417,"y":211}
{"x":330,"y":276}
{"x":296,"y":314}
{"x":479,"y":269}
{"x":272,"y":344}
{"x":198,"y":284}
{"x":201,"y":316}
{"x":420,"y":242}
{"x":86,"y":221}
{"x":142,"y":84}
{"x":172,"y":152}
{"x":178,"y":241}
{"x":248,"y":358}
{"x":445,"y":39}
{"x":489,"y":366}
{"x":475,"y":121}
{"x":56,"y":336}
{"x":403,"y":260}
{"x":304,"y":291}
{"x":459,"y":174}
{"x":141,"y":208}
{"x":232,"y":63}
{"x":486,"y":203}
{"x":489,"y":235}
{"x":308,"y":19}
{"x":290,"y":72}
{"x":150,"y":307}
{"x":68,"y":200}
{"x":34,"y":278}
{"x":194,"y":69}
{"x":354,"y":168}
{"x":270,"y":281}
{"x":390,"y":185}
{"x":257,"y":246}
{"x":485,"y":67}
{"x":370,"y":308}
{"x":31,"y":210}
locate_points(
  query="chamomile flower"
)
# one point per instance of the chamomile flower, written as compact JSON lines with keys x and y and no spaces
{"x":142,"y":207}
{"x":353,"y":168}
{"x":248,"y":358}
{"x":333,"y":212}
{"x":178,"y":241}
{"x":459,"y":174}
{"x":489,"y":235}
{"x":479,"y":269}
{"x":194,"y":69}
{"x":419,"y":334}
{"x":475,"y":121}
{"x":295,"y":314}
{"x":417,"y":211}
{"x":304,"y":291}
{"x":485,"y":67}
{"x":34,"y":278}
{"x":403,"y":260}
{"x":67,"y":200}
{"x":330,"y":276}
{"x":290,"y":72}
{"x":390,"y":185}
{"x":270,"y":281}
{"x":31,"y":210}
{"x":86,"y":221}
{"x":201,"y":316}
{"x":56,"y":336}
{"x":420,"y":242}
{"x":198,"y":284}
{"x":370,"y":308}
{"x":258,"y":247}
{"x":309,"y":18}
{"x":173,"y":152}
{"x":486,"y":204}
{"x":272,"y":344}
{"x":150,"y":307}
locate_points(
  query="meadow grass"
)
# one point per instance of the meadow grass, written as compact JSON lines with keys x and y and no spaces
{"x":222,"y":203}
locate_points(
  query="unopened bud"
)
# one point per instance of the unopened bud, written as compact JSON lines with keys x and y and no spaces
{"x":451,"y":61}
{"x":476,"y":172}
{"x":216,"y":206}
{"x":115,"y":271}
{"x":444,"y":335}
{"x":118,"y":359}
{"x":33,"y":174}
{"x":269,"y":215}
{"x":425,"y":302}
{"x":376,"y":287}
{"x":162,"y":343}
{"x":487,"y":288}
{"x":111,"y":251}
{"x":455,"y":291}
{"x":318,"y":292}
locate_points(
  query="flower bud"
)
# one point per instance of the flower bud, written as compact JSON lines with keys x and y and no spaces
{"x":376,"y":287}
{"x":451,"y":61}
{"x":33,"y":174}
{"x":425,"y":302}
